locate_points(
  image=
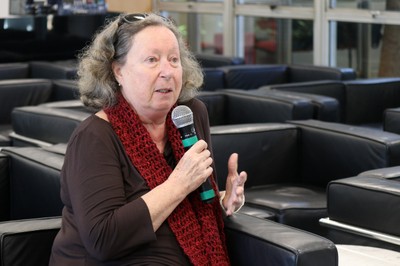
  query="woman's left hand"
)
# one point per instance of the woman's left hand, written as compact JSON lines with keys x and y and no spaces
{"x":234,"y":194}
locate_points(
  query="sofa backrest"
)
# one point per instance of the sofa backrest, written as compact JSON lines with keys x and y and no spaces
{"x":215,"y":103}
{"x":64,"y":69}
{"x":4,"y":187}
{"x":34,"y":178}
{"x":249,"y":76}
{"x":14,"y":71}
{"x":22,"y":92}
{"x":368,"y":98}
{"x":268,"y":152}
{"x":331,"y":151}
{"x":215,"y":60}
{"x":302,"y":73}
{"x":64,"y":89}
{"x":214,"y":79}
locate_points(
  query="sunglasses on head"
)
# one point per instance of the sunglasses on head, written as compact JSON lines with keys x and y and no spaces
{"x":132,"y":18}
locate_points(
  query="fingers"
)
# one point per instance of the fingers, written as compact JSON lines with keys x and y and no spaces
{"x":233,"y":164}
{"x":242,"y":178}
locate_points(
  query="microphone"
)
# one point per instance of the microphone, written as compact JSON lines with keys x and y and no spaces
{"x":182,"y":117}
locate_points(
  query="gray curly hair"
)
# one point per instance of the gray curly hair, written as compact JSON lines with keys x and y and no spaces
{"x":97,"y":84}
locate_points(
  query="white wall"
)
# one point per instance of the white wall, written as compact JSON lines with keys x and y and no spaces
{"x":4,"y":11}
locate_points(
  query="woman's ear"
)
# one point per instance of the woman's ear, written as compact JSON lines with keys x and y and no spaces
{"x":117,"y":72}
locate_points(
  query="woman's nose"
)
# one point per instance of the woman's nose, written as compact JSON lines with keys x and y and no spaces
{"x":166,"y":70}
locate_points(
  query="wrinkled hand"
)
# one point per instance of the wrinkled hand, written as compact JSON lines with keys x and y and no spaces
{"x":234,"y":186}
{"x":193,"y":168}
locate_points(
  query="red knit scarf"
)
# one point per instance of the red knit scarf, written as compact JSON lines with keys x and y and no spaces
{"x":197,"y":226}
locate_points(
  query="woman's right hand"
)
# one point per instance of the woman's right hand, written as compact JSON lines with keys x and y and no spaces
{"x":194,"y":167}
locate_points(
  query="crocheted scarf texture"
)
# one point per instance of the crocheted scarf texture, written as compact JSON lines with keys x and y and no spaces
{"x":197,"y":226}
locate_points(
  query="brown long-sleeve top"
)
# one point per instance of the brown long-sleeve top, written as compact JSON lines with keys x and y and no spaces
{"x":105,"y":221}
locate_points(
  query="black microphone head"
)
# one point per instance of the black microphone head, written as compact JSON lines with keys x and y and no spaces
{"x":182,"y":116}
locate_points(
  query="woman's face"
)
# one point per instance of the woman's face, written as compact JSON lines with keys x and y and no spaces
{"x":151,"y":78}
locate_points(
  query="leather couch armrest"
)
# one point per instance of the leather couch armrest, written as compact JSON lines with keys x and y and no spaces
{"x":387,"y":172}
{"x":50,"y":125}
{"x":27,"y":242}
{"x":252,"y":107}
{"x":326,"y":108}
{"x":255,"y":241}
{"x":367,"y":202}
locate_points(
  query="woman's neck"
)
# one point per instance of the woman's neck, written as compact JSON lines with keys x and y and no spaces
{"x":158,"y":134}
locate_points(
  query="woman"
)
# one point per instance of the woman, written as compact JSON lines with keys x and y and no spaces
{"x":129,"y":188}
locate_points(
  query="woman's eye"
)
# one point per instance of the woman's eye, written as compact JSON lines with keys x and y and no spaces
{"x":175,"y":60}
{"x":151,"y":59}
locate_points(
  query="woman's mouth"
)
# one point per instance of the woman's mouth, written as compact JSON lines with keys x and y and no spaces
{"x":164,"y":90}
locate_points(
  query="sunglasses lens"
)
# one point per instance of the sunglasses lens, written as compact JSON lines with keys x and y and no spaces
{"x":134,"y":17}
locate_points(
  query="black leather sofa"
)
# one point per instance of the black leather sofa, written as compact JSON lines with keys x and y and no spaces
{"x":253,"y":76}
{"x":365,"y":209}
{"x":250,"y":240}
{"x":362,"y":101}
{"x":289,"y":165}
{"x":324,"y":108}
{"x":32,"y":220}
{"x":250,"y":76}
